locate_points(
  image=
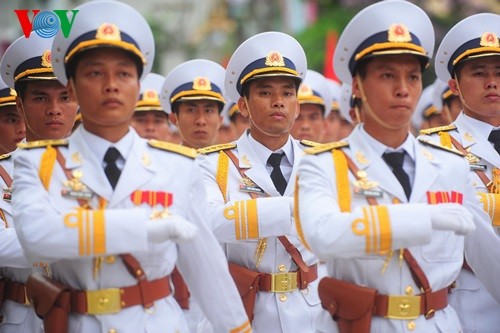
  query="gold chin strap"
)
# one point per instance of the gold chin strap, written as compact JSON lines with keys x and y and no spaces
{"x":462,"y":100}
{"x":367,"y":108}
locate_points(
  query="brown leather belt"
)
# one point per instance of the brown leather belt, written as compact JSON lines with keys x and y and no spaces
{"x":106,"y":301}
{"x":285,"y":282}
{"x":408,"y":307}
{"x":16,"y":292}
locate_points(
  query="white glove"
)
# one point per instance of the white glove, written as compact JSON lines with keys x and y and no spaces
{"x":452,"y":217}
{"x":174,"y":228}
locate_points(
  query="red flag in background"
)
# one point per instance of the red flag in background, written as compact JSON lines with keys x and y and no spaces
{"x":331,"y":43}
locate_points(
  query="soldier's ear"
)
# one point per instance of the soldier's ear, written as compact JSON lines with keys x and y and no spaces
{"x":453,"y":84}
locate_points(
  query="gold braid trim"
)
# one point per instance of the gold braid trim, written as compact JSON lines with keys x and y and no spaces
{"x":3,"y":218}
{"x":268,"y":70}
{"x":47,"y":163}
{"x":482,"y":49}
{"x":296,"y":215}
{"x":495,"y":181}
{"x":342,"y":180}
{"x":33,"y":71}
{"x":222,"y":174}
{"x":390,"y":45}
{"x":445,"y":139}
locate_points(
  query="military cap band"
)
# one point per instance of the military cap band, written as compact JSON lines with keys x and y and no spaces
{"x":379,"y":44}
{"x":186,"y":92}
{"x":259,"y":68}
{"x":88,"y":41}
{"x":473,"y":49}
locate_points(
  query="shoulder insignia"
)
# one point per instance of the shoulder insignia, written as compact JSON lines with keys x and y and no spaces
{"x":5,"y":156}
{"x":438,"y":146}
{"x":42,"y":143}
{"x":433,"y":130}
{"x":215,"y":148}
{"x":326,"y":147}
{"x":309,"y":143}
{"x":172,"y":147}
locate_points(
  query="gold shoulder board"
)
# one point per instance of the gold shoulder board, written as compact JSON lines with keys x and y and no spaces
{"x":5,"y":156}
{"x":433,"y":130}
{"x":438,"y":146}
{"x":42,"y":143}
{"x":215,"y":148}
{"x":326,"y":147}
{"x":172,"y":147}
{"x":309,"y":143}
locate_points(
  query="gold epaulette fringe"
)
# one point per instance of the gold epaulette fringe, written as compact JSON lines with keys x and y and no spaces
{"x":433,"y":130}
{"x":216,"y":148}
{"x":326,"y":147}
{"x":174,"y":148}
{"x":42,"y":143}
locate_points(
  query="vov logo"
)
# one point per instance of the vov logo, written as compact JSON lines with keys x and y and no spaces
{"x":46,"y":23}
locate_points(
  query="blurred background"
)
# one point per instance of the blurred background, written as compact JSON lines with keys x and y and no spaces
{"x":212,"y":29}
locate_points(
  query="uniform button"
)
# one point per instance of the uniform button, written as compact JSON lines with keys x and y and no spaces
{"x":305,"y":291}
{"x":283,"y":297}
{"x":411,"y":325}
{"x":281,"y":268}
{"x":453,"y":284}
{"x":110,"y":260}
{"x":112,"y":331}
{"x":409,"y":290}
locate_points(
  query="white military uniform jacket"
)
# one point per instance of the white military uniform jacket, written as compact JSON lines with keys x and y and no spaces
{"x":49,"y":228}
{"x":253,"y":220}
{"x":478,"y":311}
{"x":14,"y":266}
{"x":351,"y":242}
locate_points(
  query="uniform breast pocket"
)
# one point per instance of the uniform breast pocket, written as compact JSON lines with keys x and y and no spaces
{"x":444,"y":246}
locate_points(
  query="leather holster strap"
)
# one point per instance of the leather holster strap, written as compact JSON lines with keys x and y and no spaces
{"x":310,"y":276}
{"x":6,"y":177}
{"x":16,"y":292}
{"x":130,"y":296}
{"x":432,"y":302}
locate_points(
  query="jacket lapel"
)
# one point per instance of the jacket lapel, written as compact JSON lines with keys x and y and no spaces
{"x":255,"y":169}
{"x":376,"y":169}
{"x":425,"y":173}
{"x":81,"y":157}
{"x":138,"y":170}
{"x":469,"y":139}
{"x":297,"y":156}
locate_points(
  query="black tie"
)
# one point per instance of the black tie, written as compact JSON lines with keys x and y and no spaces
{"x":495,"y":139}
{"x":395,"y":161}
{"x":111,"y":169}
{"x":277,"y":177}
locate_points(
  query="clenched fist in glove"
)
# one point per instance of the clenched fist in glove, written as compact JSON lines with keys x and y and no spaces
{"x":451,"y":217}
{"x":174,"y":228}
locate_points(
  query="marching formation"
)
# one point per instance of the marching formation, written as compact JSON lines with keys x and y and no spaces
{"x":261,"y":197}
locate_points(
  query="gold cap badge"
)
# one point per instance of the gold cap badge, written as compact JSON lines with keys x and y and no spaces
{"x":202,"y":83}
{"x":489,"y":39}
{"x":150,"y":95}
{"x":108,"y":31}
{"x":47,"y":59}
{"x":275,"y":59}
{"x":399,"y":33}
{"x":305,"y":90}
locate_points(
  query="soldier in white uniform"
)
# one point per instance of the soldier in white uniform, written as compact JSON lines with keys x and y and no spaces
{"x":386,"y":212}
{"x":105,"y":206}
{"x":150,"y":120}
{"x":315,"y":100}
{"x":251,"y":201}
{"x":469,"y":60}
{"x":49,"y":112}
{"x":193,"y":95}
{"x":12,"y":127}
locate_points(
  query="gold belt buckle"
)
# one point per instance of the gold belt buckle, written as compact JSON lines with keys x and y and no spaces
{"x":403,"y":307}
{"x":103,"y":301}
{"x":283,"y":282}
